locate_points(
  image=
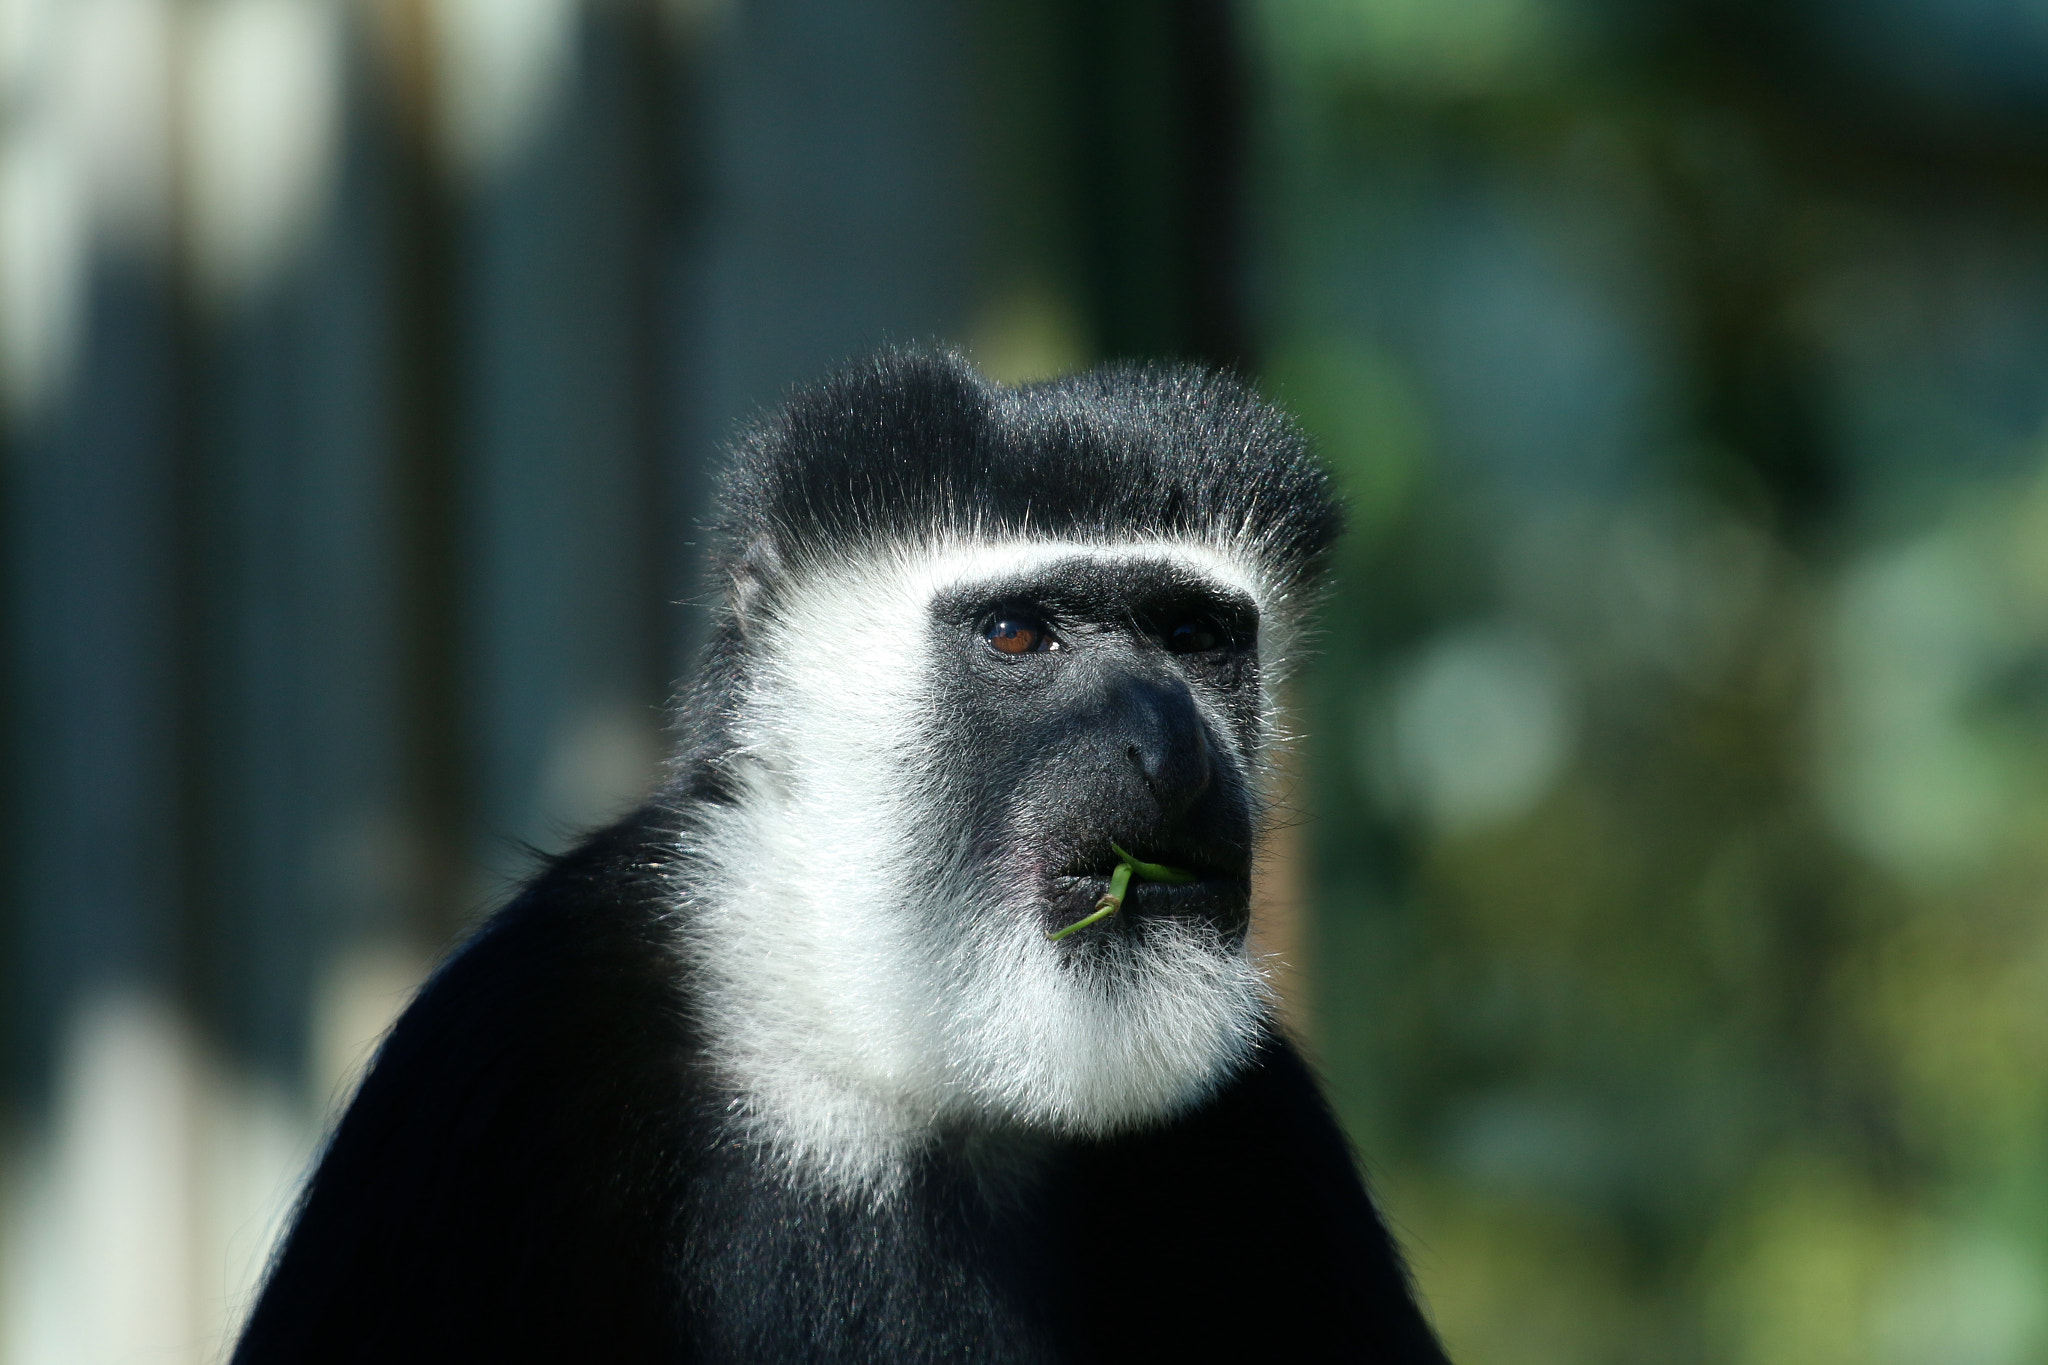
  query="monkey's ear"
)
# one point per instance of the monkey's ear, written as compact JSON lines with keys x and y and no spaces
{"x":754,"y":576}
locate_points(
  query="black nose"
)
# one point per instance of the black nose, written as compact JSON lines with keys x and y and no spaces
{"x":1167,"y":742}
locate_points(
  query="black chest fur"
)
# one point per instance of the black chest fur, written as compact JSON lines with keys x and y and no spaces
{"x":539,"y":1168}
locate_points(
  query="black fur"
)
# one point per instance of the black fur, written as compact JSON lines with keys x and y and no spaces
{"x":910,"y":443}
{"x":537,"y":1167}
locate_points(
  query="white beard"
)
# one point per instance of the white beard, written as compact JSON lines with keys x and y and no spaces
{"x":861,"y":991}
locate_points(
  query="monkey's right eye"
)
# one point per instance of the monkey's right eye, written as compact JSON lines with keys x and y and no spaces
{"x":1018,"y":635}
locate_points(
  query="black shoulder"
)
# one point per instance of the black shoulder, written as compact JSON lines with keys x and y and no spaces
{"x":488,"y":1193}
{"x":1244,"y":1230}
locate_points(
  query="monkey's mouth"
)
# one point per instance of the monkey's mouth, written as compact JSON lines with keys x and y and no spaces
{"x":1219,"y":895}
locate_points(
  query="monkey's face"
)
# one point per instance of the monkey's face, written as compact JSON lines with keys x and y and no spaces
{"x":935,"y":752}
{"x":1091,"y":703}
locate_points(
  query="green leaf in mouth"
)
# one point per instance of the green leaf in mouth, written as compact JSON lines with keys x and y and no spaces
{"x":1119,"y":884}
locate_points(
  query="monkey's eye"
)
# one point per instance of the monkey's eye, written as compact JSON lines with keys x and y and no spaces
{"x":1019,"y":635}
{"x":1193,"y":637}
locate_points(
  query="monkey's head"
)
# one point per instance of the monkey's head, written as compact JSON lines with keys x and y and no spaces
{"x":976,"y":640}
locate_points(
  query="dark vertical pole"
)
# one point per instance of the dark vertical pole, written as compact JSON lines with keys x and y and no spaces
{"x":97,"y":570}
{"x":427,"y":295}
{"x":1212,"y":108}
{"x":1121,"y":156}
{"x":1157,"y":155}
{"x":198,"y":532}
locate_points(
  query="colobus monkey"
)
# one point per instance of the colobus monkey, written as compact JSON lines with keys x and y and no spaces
{"x":788,"y":1064}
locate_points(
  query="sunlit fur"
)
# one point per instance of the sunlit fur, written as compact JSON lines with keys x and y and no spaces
{"x":870,"y":992}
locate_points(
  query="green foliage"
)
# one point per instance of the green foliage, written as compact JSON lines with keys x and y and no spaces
{"x":1680,"y":808}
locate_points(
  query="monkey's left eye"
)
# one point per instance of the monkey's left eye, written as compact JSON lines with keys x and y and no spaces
{"x":1194,"y":637}
{"x":1019,"y":635}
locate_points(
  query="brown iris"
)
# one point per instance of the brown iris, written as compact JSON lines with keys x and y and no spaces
{"x":1010,"y":635}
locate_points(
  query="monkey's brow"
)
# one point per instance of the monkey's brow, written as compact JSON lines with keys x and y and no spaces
{"x":1100,"y":587}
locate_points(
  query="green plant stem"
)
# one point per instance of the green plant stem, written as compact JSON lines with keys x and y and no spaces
{"x":1119,"y":884}
{"x":1155,"y":872}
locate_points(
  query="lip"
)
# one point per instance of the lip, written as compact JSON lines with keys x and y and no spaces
{"x":1222,"y":899}
{"x":1204,"y":864}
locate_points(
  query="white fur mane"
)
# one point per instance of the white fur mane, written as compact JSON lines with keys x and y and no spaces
{"x":866,"y":993}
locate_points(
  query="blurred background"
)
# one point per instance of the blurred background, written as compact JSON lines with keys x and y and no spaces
{"x":1666,"y":897}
